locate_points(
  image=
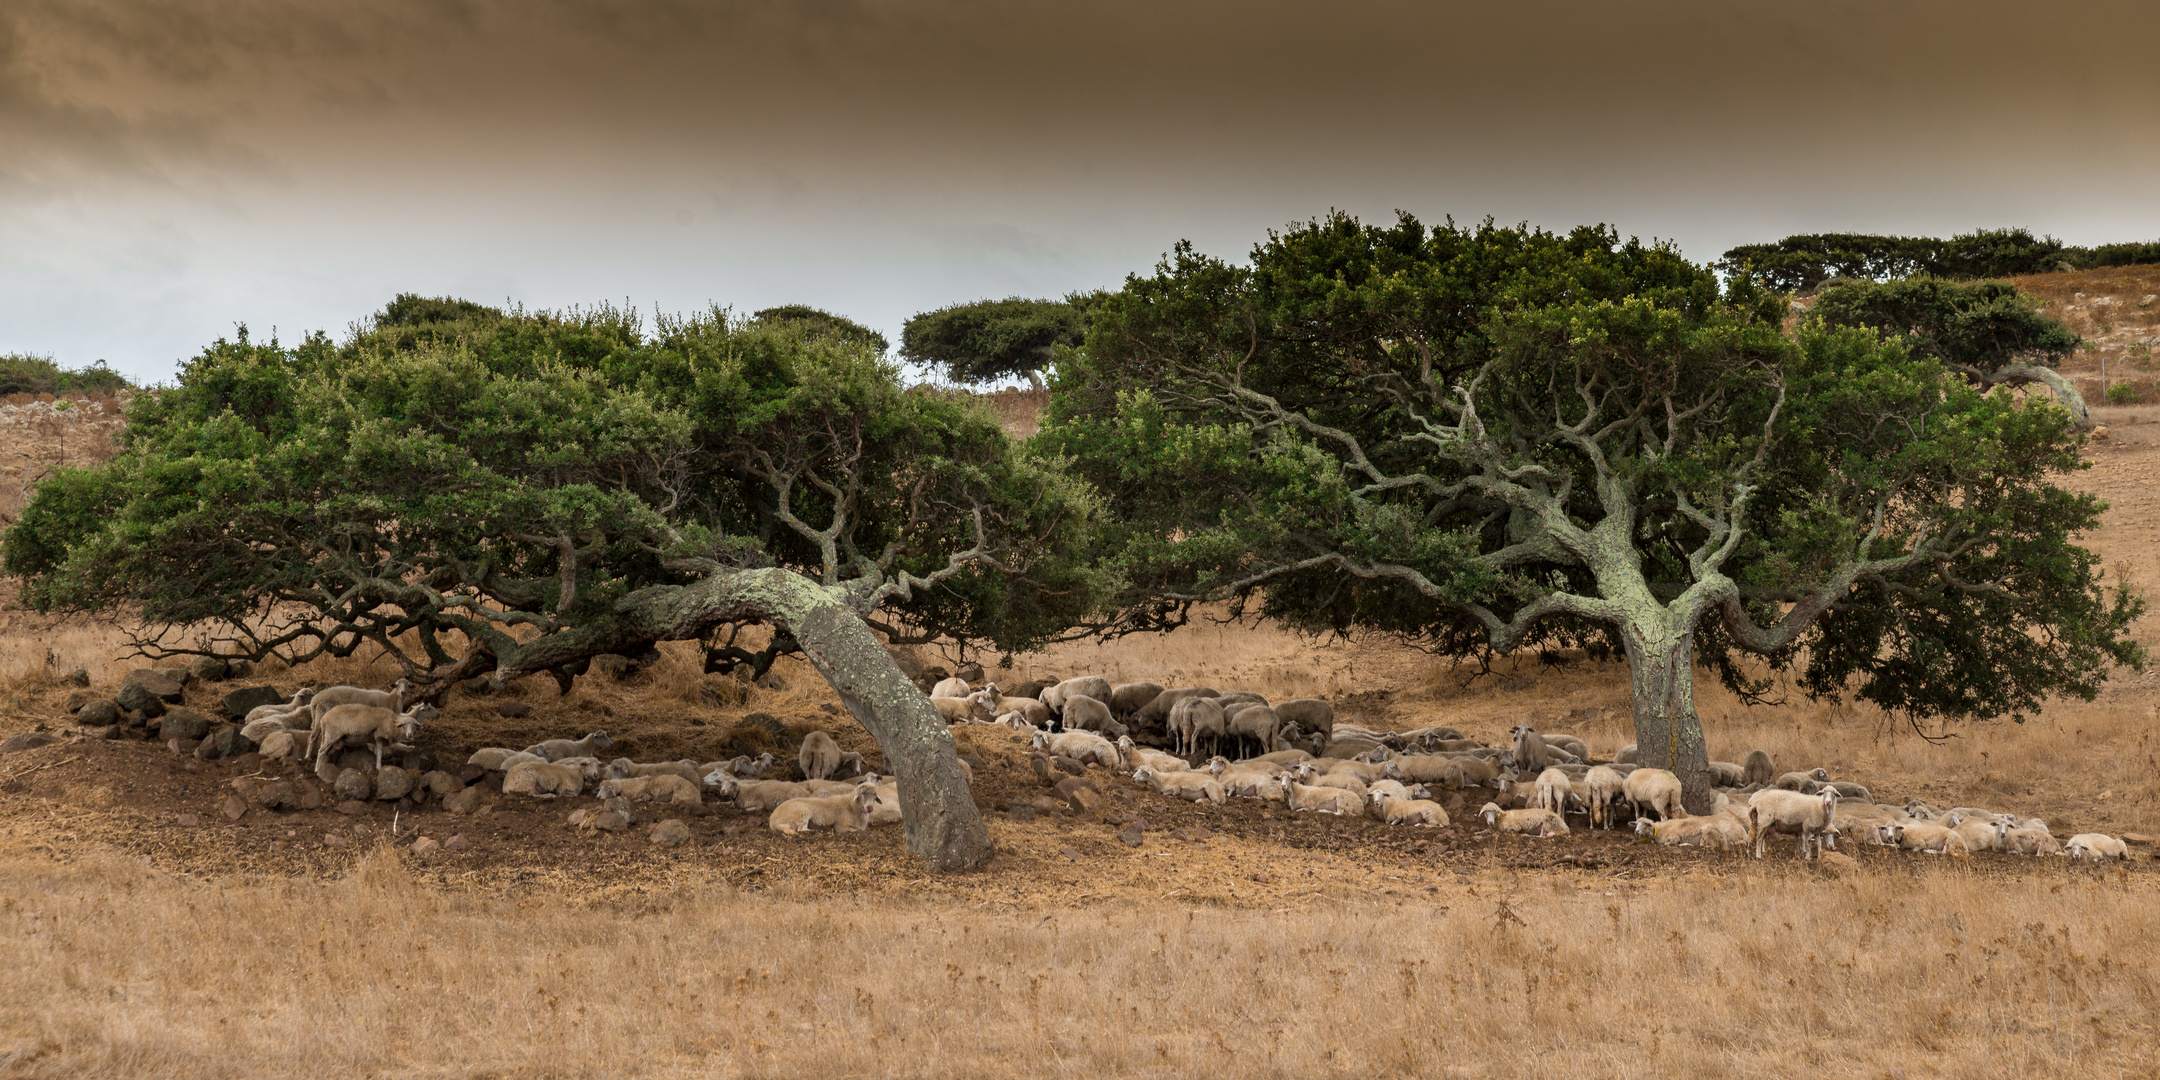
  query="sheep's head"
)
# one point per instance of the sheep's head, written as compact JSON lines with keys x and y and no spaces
{"x":608,"y":789}
{"x":1144,"y":774}
{"x":1040,"y":741}
{"x":1820,"y":775}
{"x":1643,"y":826}
{"x":727,"y":786}
{"x":1391,"y":770}
{"x":1490,"y":812}
{"x":620,"y":767}
{"x":600,"y":741}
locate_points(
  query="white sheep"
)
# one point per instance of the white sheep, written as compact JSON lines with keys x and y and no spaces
{"x":624,"y":767}
{"x":392,"y":699}
{"x":2027,"y":841}
{"x":500,"y":759}
{"x":1709,"y":830}
{"x":1654,"y":790}
{"x":1812,"y":817}
{"x":964,"y":710}
{"x":1528,"y":822}
{"x":953,"y":688}
{"x":1249,"y":780}
{"x":1081,"y":746}
{"x":1979,"y":834}
{"x":558,"y":749}
{"x":2096,"y":847}
{"x":543,"y":780}
{"x":1188,"y":784}
{"x":1397,"y":810}
{"x":377,"y":727}
{"x":1606,"y":787}
{"x":1256,"y":722}
{"x":255,"y":731}
{"x":1194,"y":718}
{"x":295,"y":714}
{"x":752,"y":796}
{"x":1091,"y":686}
{"x":840,"y":813}
{"x":1924,"y":836}
{"x":1324,"y":800}
{"x":1552,"y":791}
{"x":1311,"y":715}
{"x":661,"y":787}
{"x":1132,"y":756}
{"x":819,"y":756}
{"x":1128,"y":698}
{"x":1085,"y":713}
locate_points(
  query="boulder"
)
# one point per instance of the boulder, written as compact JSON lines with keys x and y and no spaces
{"x":462,"y":802}
{"x":392,"y":783}
{"x":136,"y":698}
{"x":352,"y":808}
{"x":311,"y":797}
{"x":236,"y":668}
{"x":418,"y":761}
{"x":224,"y":742}
{"x":184,"y":724}
{"x":971,"y":672}
{"x":670,"y":833}
{"x":352,"y":785}
{"x":26,"y":740}
{"x":78,"y":677}
{"x":99,"y":713}
{"x":355,"y":757}
{"x":1838,"y":863}
{"x":455,"y":843}
{"x":1132,"y":835}
{"x":441,"y":783}
{"x":234,"y":808}
{"x":424,"y":847}
{"x":239,"y":702}
{"x":75,"y":701}
{"x":177,"y":674}
{"x":277,"y":795}
{"x":515,"y":710}
{"x":607,"y":821}
{"x":210,"y":668}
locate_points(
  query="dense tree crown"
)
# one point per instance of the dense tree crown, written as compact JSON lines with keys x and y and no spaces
{"x":991,"y":339}
{"x":1805,"y":262}
{"x":1486,"y":438}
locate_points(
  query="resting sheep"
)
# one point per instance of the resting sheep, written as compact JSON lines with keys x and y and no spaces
{"x":1081,"y":746}
{"x":819,"y":756}
{"x":543,"y":781}
{"x":1806,"y":783}
{"x":500,"y":759}
{"x":661,"y":787}
{"x":2096,"y":847}
{"x":753,"y":796}
{"x":558,"y":749}
{"x":624,"y":767}
{"x":1131,"y":756}
{"x":1924,"y":836}
{"x":1188,"y":784}
{"x":955,"y":688}
{"x":1396,"y":810}
{"x":1528,"y":822}
{"x":1709,"y":830}
{"x":972,"y":709}
{"x":1323,"y":800}
{"x":840,"y":813}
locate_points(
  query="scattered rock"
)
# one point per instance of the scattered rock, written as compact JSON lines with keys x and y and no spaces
{"x":248,"y":762}
{"x":355,"y":757}
{"x":245,"y":786}
{"x":462,"y":802}
{"x":1041,"y":764}
{"x":352,"y":808}
{"x":1838,"y":863}
{"x":210,"y":668}
{"x":971,"y":672}
{"x":441,"y":783}
{"x":240,"y":701}
{"x":577,"y":817}
{"x":392,"y":783}
{"x":225,"y":742}
{"x":470,"y":773}
{"x":234,"y":808}
{"x":607,"y":821}
{"x":100,"y":713}
{"x":188,"y":821}
{"x":670,"y":833}
{"x":78,"y":677}
{"x":513,"y":709}
{"x":75,"y":701}
{"x":828,"y":708}
{"x":417,"y":762}
{"x":1044,"y":804}
{"x":159,"y":683}
{"x":236,"y":668}
{"x":1066,"y":764}
{"x":135,"y":699}
{"x":1193,"y":835}
{"x":184,"y":724}
{"x":1085,"y":800}
{"x":1132,"y":835}
{"x":334,"y":839}
{"x":455,"y":843}
{"x":623,"y":806}
{"x":1261,"y":878}
{"x":723,"y":693}
{"x":1021,"y":814}
{"x":279,"y":795}
{"x":310,"y":797}
{"x":326,"y":770}
{"x":26,"y":740}
{"x":424,"y":847}
{"x":1068,"y":854}
{"x":352,"y":785}
{"x":478,"y":685}
{"x":1070,"y":784}
{"x":177,"y":674}
{"x":2138,"y":838}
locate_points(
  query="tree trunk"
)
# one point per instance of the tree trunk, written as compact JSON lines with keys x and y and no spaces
{"x":935,"y":804}
{"x":1668,"y":734}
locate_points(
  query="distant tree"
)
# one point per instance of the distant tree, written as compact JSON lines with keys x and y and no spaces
{"x":815,"y":321}
{"x":562,"y":486}
{"x":1987,"y":331}
{"x":1488,"y":439}
{"x":24,"y":373}
{"x":412,"y":309}
{"x":991,"y":339}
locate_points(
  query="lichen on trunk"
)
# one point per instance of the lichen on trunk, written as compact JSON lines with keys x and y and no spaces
{"x":1668,"y":733}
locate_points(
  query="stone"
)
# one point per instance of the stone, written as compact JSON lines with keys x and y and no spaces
{"x":1085,"y":800}
{"x":462,"y":802}
{"x":187,"y":821}
{"x":607,"y":821}
{"x":670,"y":833}
{"x":224,"y":742}
{"x":352,"y":808}
{"x":1066,"y":764}
{"x":136,"y":698}
{"x":352,"y":784}
{"x":614,"y":666}
{"x":2140,"y":839}
{"x":1044,"y":804}
{"x":471,"y":773}
{"x":424,"y":847}
{"x":177,"y":674}
{"x":478,"y":685}
{"x":623,"y":806}
{"x":1021,"y":814}
{"x":234,"y":808}
{"x":441,"y":783}
{"x":335,"y":839}
{"x":184,"y":724}
{"x":392,"y":783}
{"x":972,"y":673}
{"x":515,"y":710}
{"x":1070,"y":784}
{"x":248,"y":762}
{"x":210,"y":668}
{"x":239,"y":669}
{"x":1132,"y":835}
{"x":355,"y":757}
{"x":75,"y":701}
{"x":240,"y":701}
{"x":1041,"y":765}
{"x":326,"y":770}
{"x":1068,"y":854}
{"x":455,"y":843}
{"x":1838,"y":863}
{"x":245,"y":786}
{"x":1193,"y":835}
{"x":418,"y":761}
{"x":577,"y":817}
{"x":26,"y":740}
{"x":311,"y":797}
{"x":277,"y":795}
{"x":79,"y":677}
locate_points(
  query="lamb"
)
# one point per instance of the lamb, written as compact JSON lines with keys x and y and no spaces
{"x":1606,"y":788}
{"x":1399,"y":810}
{"x":660,"y":787}
{"x":2096,"y":847}
{"x":1248,"y":781}
{"x":1092,"y":686}
{"x":819,"y":756}
{"x":558,"y":749}
{"x":1924,"y":836}
{"x":255,"y":731}
{"x":1256,"y":722}
{"x":1347,"y":781}
{"x":1191,"y":719}
{"x":887,"y":809}
{"x":592,"y":769}
{"x":840,"y":813}
{"x":1081,"y":746}
{"x":1032,"y":712}
{"x":1527,"y":822}
{"x":1324,"y":800}
{"x":1132,"y":757}
{"x":1309,"y":714}
{"x":1085,"y":713}
{"x":743,"y":767}
{"x":1806,"y":783}
{"x":972,"y":709}
{"x":951,"y":688}
{"x":1811,"y":816}
{"x":1128,"y":698}
{"x":1189,"y":784}
{"x":1709,"y":830}
{"x":1654,"y":790}
{"x":392,"y":699}
{"x":377,"y":727}
{"x":542,"y":780}
{"x":1552,"y":791}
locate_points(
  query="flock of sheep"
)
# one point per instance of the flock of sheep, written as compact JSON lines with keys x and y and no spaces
{"x":1299,"y":757}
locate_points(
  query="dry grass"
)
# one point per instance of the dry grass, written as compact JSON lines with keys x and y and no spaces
{"x":118,"y":971}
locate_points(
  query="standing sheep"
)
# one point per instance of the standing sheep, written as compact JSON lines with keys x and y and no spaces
{"x":1552,"y":791}
{"x":1530,"y":755}
{"x":1812,"y":817}
{"x":1129,"y":698}
{"x":1654,"y":790}
{"x":819,"y":756}
{"x":1606,"y":788}
{"x":377,"y":727}
{"x":1757,"y":768}
{"x":1311,"y":715}
{"x":1085,"y":713}
{"x":1194,"y":718}
{"x":392,"y":699}
{"x":1092,"y":686}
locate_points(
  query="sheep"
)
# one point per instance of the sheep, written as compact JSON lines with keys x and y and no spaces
{"x":1192,"y":718}
{"x":2026,"y":841}
{"x":1606,"y":787}
{"x":659,"y":787}
{"x":951,"y":688}
{"x":1653,"y":790}
{"x":1465,"y":772}
{"x":542,"y":780}
{"x":1367,"y":771}
{"x":285,"y":745}
{"x":1128,"y":698}
{"x":499,"y":759}
{"x":1979,"y":834}
{"x":887,"y":809}
{"x":1528,"y":822}
{"x":962,"y":710}
{"x":1350,"y":782}
{"x":1397,"y":810}
{"x":1848,"y":790}
{"x":1032,"y":712}
{"x":1309,"y":714}
{"x":1727,"y":774}
{"x":1567,"y":744}
{"x":1092,"y":686}
{"x":287,"y":711}
{"x":376,"y":726}
{"x":1552,"y":791}
{"x":755,"y":796}
{"x":1323,"y":800}
{"x":1189,"y":784}
{"x":255,"y":731}
{"x":840,"y":813}
{"x":1256,"y":722}
{"x":1250,"y":780}
{"x":1777,"y":811}
{"x":1624,"y":756}
{"x":1709,"y":830}
{"x":1085,"y":713}
{"x":1131,"y":756}
{"x":1530,"y":753}
{"x":558,"y":749}
{"x":743,"y":767}
{"x":1923,"y":836}
{"x":2096,"y":847}
{"x":1081,"y":746}
{"x":1757,"y":769}
{"x":1156,"y":713}
{"x":1862,"y":814}
{"x":624,"y":767}
{"x":392,"y":699}
{"x":1806,"y":783}
{"x":1282,"y":757}
{"x":819,"y":756}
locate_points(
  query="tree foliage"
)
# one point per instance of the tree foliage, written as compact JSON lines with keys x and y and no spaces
{"x":817,"y":322}
{"x":24,"y":373}
{"x":1803,"y":263}
{"x":991,"y":339}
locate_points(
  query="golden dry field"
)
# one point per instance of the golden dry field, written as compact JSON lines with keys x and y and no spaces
{"x":147,"y":932}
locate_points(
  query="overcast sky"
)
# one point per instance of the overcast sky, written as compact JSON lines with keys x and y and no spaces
{"x":169,"y":168}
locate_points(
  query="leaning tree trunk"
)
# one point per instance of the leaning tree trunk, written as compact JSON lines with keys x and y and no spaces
{"x":941,"y":820}
{"x":1668,"y":733}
